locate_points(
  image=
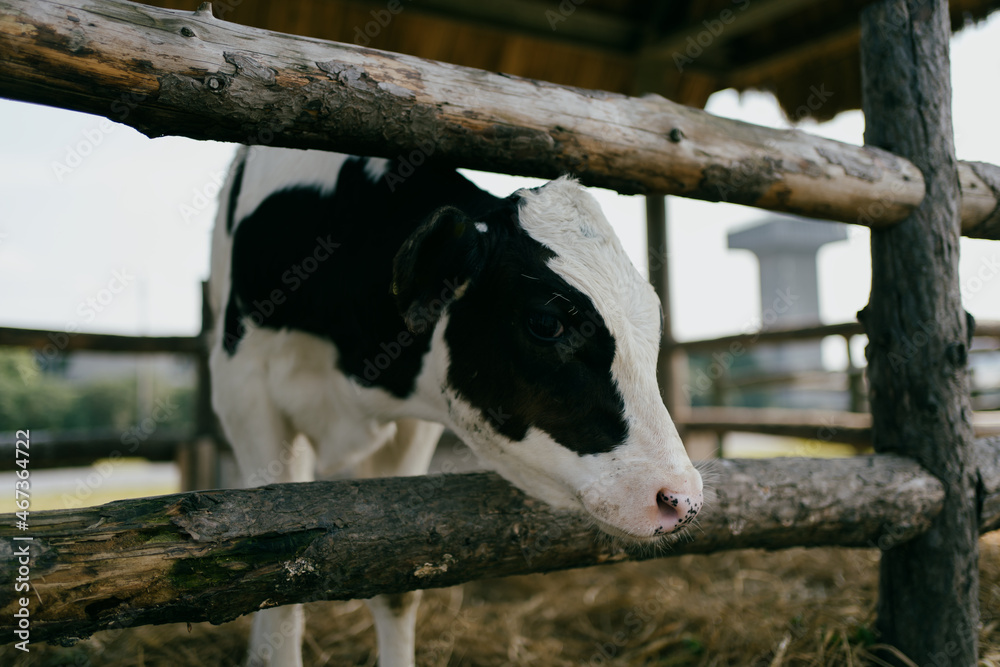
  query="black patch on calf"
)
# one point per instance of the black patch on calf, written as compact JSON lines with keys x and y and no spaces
{"x":234,"y":195}
{"x":563,"y":387}
{"x":231,"y":326}
{"x":323,"y":263}
{"x":434,"y":264}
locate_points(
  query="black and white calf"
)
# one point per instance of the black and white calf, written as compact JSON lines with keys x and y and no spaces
{"x":363,"y":310}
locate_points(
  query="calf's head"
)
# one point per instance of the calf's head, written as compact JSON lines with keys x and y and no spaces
{"x":547,"y":352}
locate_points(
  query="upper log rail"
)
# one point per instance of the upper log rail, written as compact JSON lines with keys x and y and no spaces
{"x":216,"y":555}
{"x":189,"y":74}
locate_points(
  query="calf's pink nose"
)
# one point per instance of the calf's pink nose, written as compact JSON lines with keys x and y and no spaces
{"x":676,"y":510}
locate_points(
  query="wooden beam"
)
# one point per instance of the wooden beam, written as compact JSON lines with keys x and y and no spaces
{"x":570,"y":23}
{"x":747,"y":73}
{"x":170,"y":72}
{"x":919,"y":335}
{"x":216,"y":555}
{"x":823,"y":425}
{"x":67,"y":341}
{"x":733,"y":20}
{"x":854,"y":428}
{"x":81,"y":447}
{"x":745,"y":340}
{"x":986,"y":329}
{"x":658,"y":268}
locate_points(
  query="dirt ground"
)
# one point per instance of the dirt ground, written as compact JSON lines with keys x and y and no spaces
{"x":803,"y":607}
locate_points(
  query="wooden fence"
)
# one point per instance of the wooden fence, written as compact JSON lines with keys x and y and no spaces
{"x":167,"y":72}
{"x":196,"y":452}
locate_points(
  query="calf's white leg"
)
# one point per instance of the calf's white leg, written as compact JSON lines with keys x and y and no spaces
{"x":408,"y":453}
{"x":276,"y":637}
{"x":264,"y":452}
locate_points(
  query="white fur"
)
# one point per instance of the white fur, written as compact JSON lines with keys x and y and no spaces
{"x":376,"y":167}
{"x":283,"y":383}
{"x":279,"y":384}
{"x":270,"y":170}
{"x":619,"y":488}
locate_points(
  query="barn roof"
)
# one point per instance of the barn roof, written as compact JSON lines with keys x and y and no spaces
{"x":685,"y":50}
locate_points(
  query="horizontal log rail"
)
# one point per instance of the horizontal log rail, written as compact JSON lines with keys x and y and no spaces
{"x":986,"y":329}
{"x":73,"y":448}
{"x":216,"y":555}
{"x":41,"y":339}
{"x":819,"y":380}
{"x":62,"y":341}
{"x":81,"y":447}
{"x":853,"y":428}
{"x":169,"y":72}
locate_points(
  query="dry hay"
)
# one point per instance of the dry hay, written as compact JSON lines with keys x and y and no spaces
{"x":801,"y":607}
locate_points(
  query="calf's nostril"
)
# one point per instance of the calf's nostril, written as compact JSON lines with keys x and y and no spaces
{"x":676,"y":510}
{"x":668,"y":505}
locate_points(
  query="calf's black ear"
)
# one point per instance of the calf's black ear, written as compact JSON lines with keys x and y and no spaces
{"x":434,"y":266}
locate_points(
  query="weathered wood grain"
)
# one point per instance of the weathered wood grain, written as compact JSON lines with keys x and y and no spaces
{"x":169,"y":72}
{"x":919,"y":335}
{"x":216,"y":555}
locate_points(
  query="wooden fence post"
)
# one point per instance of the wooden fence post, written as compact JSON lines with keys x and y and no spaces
{"x":657,"y":251}
{"x":919,"y":335}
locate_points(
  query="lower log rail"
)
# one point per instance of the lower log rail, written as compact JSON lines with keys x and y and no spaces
{"x":216,"y":555}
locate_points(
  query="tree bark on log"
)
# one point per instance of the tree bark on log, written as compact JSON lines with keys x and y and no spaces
{"x":169,"y":72}
{"x":216,"y":555}
{"x":919,"y":335}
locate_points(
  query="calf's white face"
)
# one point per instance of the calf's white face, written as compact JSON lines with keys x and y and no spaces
{"x":547,"y":350}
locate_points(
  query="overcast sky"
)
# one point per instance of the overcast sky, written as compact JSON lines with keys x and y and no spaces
{"x":104,"y":230}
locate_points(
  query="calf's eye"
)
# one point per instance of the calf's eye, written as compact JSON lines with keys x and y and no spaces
{"x":545,"y":327}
